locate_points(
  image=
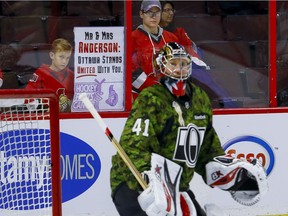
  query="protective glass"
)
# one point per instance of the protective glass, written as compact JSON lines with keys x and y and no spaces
{"x":152,"y":14}
{"x":169,"y":10}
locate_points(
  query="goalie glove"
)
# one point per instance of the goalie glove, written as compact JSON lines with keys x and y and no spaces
{"x":246,"y":181}
{"x":162,"y":196}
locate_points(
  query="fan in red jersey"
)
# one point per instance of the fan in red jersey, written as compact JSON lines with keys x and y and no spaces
{"x":56,"y":76}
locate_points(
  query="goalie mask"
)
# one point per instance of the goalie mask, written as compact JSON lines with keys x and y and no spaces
{"x":175,"y":64}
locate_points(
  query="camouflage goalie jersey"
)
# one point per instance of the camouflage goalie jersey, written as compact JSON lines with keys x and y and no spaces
{"x":179,"y":129}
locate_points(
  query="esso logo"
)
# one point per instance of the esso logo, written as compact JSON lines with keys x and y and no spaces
{"x":249,"y":147}
{"x":260,"y":156}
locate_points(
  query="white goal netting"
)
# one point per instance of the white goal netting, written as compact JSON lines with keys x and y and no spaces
{"x":25,"y":157}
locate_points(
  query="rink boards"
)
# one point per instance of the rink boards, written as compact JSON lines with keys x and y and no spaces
{"x":86,"y":160}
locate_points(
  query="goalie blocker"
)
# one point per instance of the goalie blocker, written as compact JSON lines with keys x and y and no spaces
{"x":246,"y":181}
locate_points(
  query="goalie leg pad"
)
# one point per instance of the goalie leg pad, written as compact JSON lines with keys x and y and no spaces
{"x":162,"y":195}
{"x":187,"y":205}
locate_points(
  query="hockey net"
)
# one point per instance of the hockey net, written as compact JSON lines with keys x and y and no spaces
{"x":30,"y":182}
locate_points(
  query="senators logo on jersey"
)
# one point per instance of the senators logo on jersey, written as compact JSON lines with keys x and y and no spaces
{"x":34,"y":78}
{"x":188,"y":144}
{"x":64,"y":102}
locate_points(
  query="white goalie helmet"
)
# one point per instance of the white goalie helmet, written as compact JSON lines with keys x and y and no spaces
{"x":175,"y":64}
{"x":171,"y":58}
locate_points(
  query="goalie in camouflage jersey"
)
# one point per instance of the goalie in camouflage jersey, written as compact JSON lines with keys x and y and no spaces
{"x":172,"y":119}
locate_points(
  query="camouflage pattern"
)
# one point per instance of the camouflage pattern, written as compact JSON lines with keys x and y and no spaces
{"x":153,"y":108}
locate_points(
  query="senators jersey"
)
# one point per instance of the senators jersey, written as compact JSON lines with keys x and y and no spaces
{"x":145,"y":46}
{"x":179,"y":129}
{"x":190,"y":46}
{"x":184,"y":39}
{"x":61,"y":82}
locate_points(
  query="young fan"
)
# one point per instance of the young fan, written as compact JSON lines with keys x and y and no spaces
{"x":168,"y":132}
{"x":57,"y":75}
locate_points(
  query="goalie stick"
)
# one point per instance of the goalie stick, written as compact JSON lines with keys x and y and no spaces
{"x":86,"y":101}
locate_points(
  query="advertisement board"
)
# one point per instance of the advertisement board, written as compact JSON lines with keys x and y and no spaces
{"x":86,"y":161}
{"x":242,"y":136}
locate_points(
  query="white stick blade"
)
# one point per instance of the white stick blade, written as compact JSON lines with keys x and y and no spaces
{"x":87,"y":102}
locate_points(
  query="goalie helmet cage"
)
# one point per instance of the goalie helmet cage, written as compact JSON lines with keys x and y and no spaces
{"x":30,"y":181}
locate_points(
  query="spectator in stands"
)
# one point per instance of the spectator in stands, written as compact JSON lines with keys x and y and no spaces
{"x":57,"y":75}
{"x":13,"y":76}
{"x":8,"y":58}
{"x":147,"y":40}
{"x":167,"y":23}
{"x":282,"y":97}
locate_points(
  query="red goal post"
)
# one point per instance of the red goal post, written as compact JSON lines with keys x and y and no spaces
{"x":30,"y":181}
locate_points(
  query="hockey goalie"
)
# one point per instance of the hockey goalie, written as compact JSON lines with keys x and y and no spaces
{"x":169,"y":136}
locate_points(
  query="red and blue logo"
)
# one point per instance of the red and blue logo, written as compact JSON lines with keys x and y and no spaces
{"x":249,"y":147}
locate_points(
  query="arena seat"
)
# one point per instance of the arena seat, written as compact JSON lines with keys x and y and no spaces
{"x":91,"y":8}
{"x":23,"y":30}
{"x":190,"y":8}
{"x":282,"y":52}
{"x":255,"y":82}
{"x":219,"y":54}
{"x":202,"y":27}
{"x":246,"y":27}
{"x":282,"y":23}
{"x":34,"y":54}
{"x":234,"y":87}
{"x":63,"y":26}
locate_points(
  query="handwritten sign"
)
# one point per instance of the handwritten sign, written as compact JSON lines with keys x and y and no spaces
{"x":99,"y":67}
